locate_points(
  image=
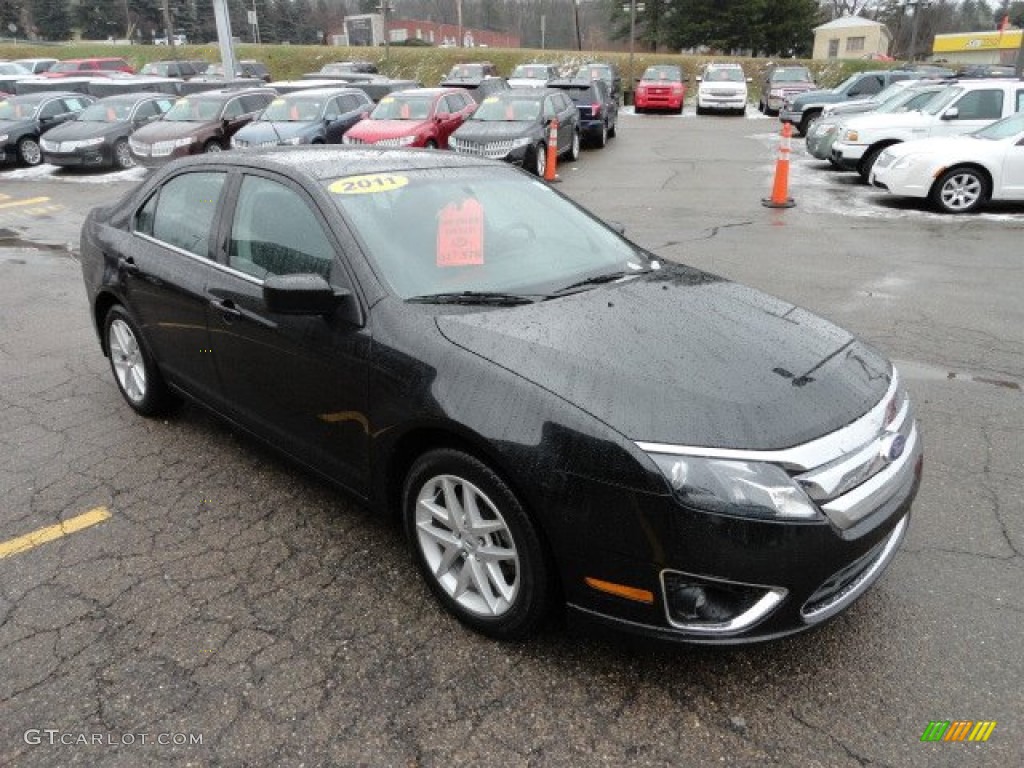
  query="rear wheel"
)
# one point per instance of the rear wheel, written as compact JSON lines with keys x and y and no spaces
{"x":961,"y":190}
{"x":602,"y":137}
{"x":475,"y":545}
{"x":613,"y":128}
{"x":135,"y":371}
{"x":29,"y":152}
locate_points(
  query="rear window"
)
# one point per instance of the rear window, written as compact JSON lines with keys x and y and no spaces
{"x":791,"y":76}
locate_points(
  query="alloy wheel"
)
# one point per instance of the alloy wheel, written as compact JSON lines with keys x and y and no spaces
{"x":126,"y":357}
{"x":961,"y":191}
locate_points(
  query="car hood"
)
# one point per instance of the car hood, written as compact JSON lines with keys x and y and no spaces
{"x":163,"y":130}
{"x":870,"y":121}
{"x":16,"y":126}
{"x":817,"y":97}
{"x":76,"y":129}
{"x":681,"y":357}
{"x":947,"y":148}
{"x":375,"y":130}
{"x":480,"y":130}
{"x":264,"y":130}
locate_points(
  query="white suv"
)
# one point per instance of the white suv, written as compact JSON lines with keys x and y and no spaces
{"x":963,"y":107}
{"x":722,"y":87}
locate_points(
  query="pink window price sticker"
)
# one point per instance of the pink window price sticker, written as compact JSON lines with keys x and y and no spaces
{"x":460,"y":235}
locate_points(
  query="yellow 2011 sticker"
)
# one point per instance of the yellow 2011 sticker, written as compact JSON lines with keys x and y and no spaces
{"x":369,"y":184}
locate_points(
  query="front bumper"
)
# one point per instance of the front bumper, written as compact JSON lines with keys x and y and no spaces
{"x":909,"y":181}
{"x":493,"y":150}
{"x":152,"y":156}
{"x":791,"y":116}
{"x":707,"y":101}
{"x":847,"y":156}
{"x":658,"y":100}
{"x":81,"y":158}
{"x":762,"y":578}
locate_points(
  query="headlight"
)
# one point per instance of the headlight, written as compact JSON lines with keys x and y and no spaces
{"x":236,"y":142}
{"x":292,"y":141}
{"x":405,"y":141}
{"x":748,"y":488}
{"x":776,"y":92}
{"x":851,"y":135}
{"x":904,"y":162}
{"x":521,"y":142}
{"x":185,"y":142}
{"x":90,"y":142}
{"x":350,"y":140}
{"x":4,"y":137}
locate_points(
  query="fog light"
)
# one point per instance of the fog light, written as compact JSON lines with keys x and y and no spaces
{"x":710,"y":606}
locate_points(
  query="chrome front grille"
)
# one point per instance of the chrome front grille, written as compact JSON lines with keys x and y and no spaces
{"x":493,"y":150}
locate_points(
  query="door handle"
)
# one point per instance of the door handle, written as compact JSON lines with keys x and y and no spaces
{"x":128,"y":265}
{"x":227,"y":309}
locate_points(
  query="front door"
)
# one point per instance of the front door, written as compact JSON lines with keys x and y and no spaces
{"x":298,"y":381}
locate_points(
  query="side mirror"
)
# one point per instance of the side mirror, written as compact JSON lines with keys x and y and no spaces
{"x":303,"y":295}
{"x":953,"y":113}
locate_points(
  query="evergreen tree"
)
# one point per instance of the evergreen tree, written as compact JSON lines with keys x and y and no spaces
{"x":52,"y":19}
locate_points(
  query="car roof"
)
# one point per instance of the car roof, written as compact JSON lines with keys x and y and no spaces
{"x":134,"y":97}
{"x":226,"y":93}
{"x":325,"y":92}
{"x":333,"y":161}
{"x":28,"y":98}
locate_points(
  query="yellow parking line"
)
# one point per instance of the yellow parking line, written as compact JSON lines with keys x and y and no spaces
{"x":30,"y":201}
{"x":51,"y":532}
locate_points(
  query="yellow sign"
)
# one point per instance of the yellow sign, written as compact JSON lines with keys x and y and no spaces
{"x":370,"y":184}
{"x":977,"y":41}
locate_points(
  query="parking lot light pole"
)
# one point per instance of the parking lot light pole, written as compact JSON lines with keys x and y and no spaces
{"x":917,"y":6}
{"x":632,"y":38}
{"x":386,"y":8}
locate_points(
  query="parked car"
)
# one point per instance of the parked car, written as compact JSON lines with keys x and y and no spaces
{"x":461,"y":348}
{"x":962,"y":108}
{"x":514,"y":126}
{"x":345,"y":70}
{"x":94,"y":66}
{"x":36,"y":66}
{"x":599,"y":111}
{"x":246,"y":68}
{"x":599,"y":70}
{"x":186,"y":70}
{"x":13,"y":68}
{"x":661,"y":88}
{"x":424,"y":117}
{"x":722,"y":87}
{"x":985,"y":71}
{"x":99,"y":134}
{"x":479,"y":88}
{"x":903,"y":96}
{"x":200,"y":123}
{"x":24,"y":119}
{"x":314,"y":116}
{"x":782,"y":82}
{"x":803,"y":109}
{"x":959,"y":174}
{"x":532,"y":75}
{"x":473,"y":70}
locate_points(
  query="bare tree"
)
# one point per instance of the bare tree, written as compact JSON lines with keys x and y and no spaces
{"x":840,"y":8}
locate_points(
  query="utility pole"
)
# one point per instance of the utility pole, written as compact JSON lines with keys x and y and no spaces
{"x":227,"y":48}
{"x":458,"y":13}
{"x":917,"y":6}
{"x":385,"y":8}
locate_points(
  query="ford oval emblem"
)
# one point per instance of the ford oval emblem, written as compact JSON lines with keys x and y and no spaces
{"x":896,"y":447}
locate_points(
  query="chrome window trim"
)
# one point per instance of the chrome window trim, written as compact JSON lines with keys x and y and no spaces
{"x":815,"y":453}
{"x":201,"y":259}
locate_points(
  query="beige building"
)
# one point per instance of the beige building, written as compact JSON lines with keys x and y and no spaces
{"x":851,"y":37}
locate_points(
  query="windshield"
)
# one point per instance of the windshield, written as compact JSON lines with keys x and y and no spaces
{"x":402,"y":108}
{"x":668,"y":74}
{"x":477,"y":229}
{"x":1008,"y":127}
{"x":11,"y":110}
{"x":114,"y":112}
{"x":193,"y":111}
{"x":943,"y":100}
{"x":66,"y":66}
{"x":845,"y":84}
{"x":534,"y":72}
{"x":497,"y":110}
{"x":301,"y":109}
{"x":466,"y":71}
{"x":11,"y":68}
{"x":909,"y":100}
{"x":155,"y":68}
{"x":791,"y":76}
{"x":724,"y":76}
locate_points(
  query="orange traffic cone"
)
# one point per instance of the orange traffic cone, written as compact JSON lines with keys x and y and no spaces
{"x":551,"y":166}
{"x":780,"y":189}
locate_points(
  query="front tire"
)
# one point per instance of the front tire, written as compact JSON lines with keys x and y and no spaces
{"x":431,"y":144}
{"x":29,"y":152}
{"x":961,"y":190}
{"x":868,"y":162}
{"x":123,"y":155}
{"x":573,"y":153}
{"x":134,"y":369}
{"x":539,"y":162}
{"x":212,"y":146}
{"x":475,"y":545}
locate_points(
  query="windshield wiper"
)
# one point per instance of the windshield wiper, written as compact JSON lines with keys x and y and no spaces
{"x":608,"y":277}
{"x":473,"y":297}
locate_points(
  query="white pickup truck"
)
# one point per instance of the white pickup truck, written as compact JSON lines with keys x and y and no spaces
{"x":963,"y":107}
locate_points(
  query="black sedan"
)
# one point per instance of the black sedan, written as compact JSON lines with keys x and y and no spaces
{"x":99,"y":135}
{"x":23,"y":119}
{"x":553,"y":413}
{"x":599,"y":110}
{"x":514,"y":126}
{"x":313,"y":116}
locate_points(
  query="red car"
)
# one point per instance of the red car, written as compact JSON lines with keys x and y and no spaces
{"x":662,"y":89}
{"x":422,"y":117}
{"x":90,"y":67}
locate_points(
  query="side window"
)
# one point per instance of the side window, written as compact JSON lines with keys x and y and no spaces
{"x":253,"y":103}
{"x":549,"y":108}
{"x":185,"y":211}
{"x":146,"y":109}
{"x":163,"y":105}
{"x":274,"y":232}
{"x":144,"y":216}
{"x":981,"y":105}
{"x":1020,"y":101}
{"x":233,"y":109}
{"x":52,"y":109}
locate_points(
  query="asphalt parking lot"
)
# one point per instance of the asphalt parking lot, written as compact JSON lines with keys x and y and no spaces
{"x":218,"y":607}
